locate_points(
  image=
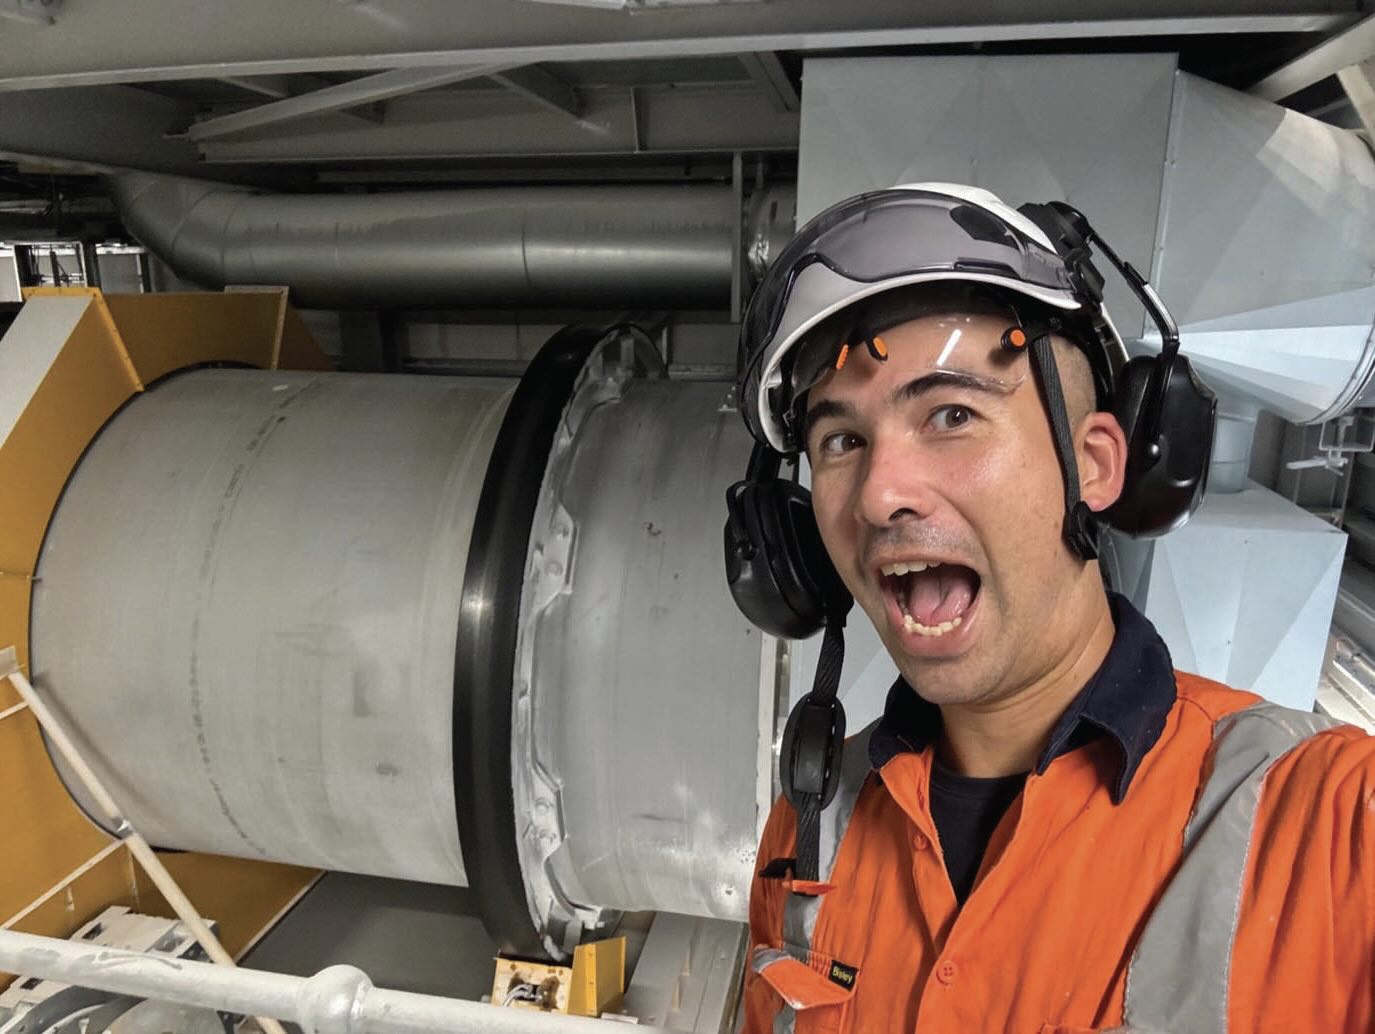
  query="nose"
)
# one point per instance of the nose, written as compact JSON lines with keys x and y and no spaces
{"x":896,"y":485}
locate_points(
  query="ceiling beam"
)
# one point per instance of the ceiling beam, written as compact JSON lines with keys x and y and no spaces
{"x":104,"y":126}
{"x":276,"y":87}
{"x":1359,"y":83}
{"x":542,"y":88}
{"x":494,"y":124}
{"x":279,"y":87}
{"x":767,"y":73}
{"x":1348,"y":47}
{"x":354,"y":94}
{"x":150,"y":57}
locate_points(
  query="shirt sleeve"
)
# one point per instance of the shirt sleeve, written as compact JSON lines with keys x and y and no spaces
{"x":1304,"y":955}
{"x":766,"y":917}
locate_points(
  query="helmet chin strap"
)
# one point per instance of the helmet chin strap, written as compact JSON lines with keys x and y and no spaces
{"x":809,"y":765}
{"x":1081,"y":527}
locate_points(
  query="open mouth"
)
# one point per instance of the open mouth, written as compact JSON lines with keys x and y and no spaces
{"x":933,"y":599}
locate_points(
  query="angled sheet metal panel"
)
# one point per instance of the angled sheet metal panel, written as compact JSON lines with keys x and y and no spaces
{"x":1267,"y":243}
{"x":1087,"y":129}
{"x":1244,"y":593}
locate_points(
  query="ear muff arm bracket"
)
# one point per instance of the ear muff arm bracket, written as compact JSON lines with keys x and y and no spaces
{"x":1088,"y":236}
{"x":1166,"y":412}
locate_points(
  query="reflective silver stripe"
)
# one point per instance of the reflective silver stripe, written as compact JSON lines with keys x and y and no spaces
{"x":800,"y":911}
{"x":1180,"y":972}
{"x":762,"y":958}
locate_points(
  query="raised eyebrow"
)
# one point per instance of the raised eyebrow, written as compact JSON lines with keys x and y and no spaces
{"x":919,"y":386}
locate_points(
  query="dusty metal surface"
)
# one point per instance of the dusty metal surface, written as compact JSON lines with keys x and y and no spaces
{"x":248,"y":604}
{"x":635,"y":738}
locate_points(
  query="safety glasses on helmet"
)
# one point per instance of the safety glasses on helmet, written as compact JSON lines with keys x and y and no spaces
{"x":875,"y":242}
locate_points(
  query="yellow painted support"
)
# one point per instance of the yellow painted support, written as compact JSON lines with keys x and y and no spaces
{"x":107,"y":875}
{"x":598,"y":977}
{"x":46,"y":835}
{"x":105,"y":879}
{"x":15,"y":591}
{"x":594,"y":983}
{"x":81,"y":389}
{"x":72,"y":358}
{"x":242,"y":895}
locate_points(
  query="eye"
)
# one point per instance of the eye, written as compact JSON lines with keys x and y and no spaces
{"x":951,"y":418}
{"x":838,"y":443}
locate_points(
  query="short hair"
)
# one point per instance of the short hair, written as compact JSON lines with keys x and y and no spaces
{"x":1076,"y":379}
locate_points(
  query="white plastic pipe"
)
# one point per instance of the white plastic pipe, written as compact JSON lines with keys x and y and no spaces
{"x":337,"y":1000}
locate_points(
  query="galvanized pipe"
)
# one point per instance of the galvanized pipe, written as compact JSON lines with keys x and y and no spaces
{"x":337,"y":1000}
{"x":667,"y":246}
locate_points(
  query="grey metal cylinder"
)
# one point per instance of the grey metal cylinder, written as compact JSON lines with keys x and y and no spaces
{"x":247,"y":610}
{"x":637,"y":737}
{"x":586,"y":247}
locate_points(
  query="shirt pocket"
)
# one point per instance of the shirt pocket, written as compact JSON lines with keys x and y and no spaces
{"x":818,"y":990}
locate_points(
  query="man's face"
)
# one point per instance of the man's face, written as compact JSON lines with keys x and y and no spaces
{"x":940,"y":499}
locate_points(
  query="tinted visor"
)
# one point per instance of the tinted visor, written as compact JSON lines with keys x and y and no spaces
{"x":888,"y":234}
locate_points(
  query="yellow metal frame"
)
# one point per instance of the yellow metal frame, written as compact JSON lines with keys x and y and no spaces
{"x":593,"y":984}
{"x":57,"y":870}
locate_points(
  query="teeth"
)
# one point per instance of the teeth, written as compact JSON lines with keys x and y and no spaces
{"x":913,"y":625}
{"x":915,"y":567}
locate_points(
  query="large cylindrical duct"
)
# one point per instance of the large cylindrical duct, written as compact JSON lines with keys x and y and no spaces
{"x":276,"y":608}
{"x":669,"y":246}
{"x":248,"y":604}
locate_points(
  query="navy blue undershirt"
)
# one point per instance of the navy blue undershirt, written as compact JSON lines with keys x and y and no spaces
{"x":966,"y":810}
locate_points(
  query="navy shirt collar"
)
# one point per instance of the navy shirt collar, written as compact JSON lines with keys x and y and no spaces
{"x":1126,"y":701}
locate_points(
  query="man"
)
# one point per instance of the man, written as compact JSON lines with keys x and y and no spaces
{"x":1048,"y":829}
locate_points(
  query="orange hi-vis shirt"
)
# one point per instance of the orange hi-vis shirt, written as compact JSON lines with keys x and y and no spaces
{"x":1068,"y":882}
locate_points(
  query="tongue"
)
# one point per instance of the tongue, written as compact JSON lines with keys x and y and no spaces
{"x":940,"y":594}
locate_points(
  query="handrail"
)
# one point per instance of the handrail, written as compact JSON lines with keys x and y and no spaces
{"x":337,"y":1000}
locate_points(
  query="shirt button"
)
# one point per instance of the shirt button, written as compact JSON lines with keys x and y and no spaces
{"x":919,"y":842}
{"x":946,"y":972}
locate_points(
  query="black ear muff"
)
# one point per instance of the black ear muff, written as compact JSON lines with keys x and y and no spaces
{"x":776,"y":564}
{"x":1134,"y":386}
{"x":1167,"y":413}
{"x":1168,"y":416}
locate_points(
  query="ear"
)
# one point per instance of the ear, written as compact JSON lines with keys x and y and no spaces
{"x":1102,"y":455}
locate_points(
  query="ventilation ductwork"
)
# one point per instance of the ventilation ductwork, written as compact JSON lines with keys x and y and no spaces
{"x":662,"y":246}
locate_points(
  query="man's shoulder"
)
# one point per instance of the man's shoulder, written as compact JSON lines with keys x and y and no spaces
{"x":1209,"y":701}
{"x":1334,"y":762}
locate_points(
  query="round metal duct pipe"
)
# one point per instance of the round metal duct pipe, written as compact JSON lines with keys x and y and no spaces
{"x":583,"y":247}
{"x":464,"y":631}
